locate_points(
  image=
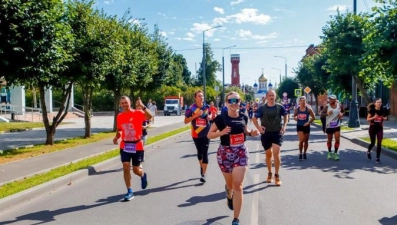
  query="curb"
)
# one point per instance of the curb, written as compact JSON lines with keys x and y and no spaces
{"x":46,"y":188}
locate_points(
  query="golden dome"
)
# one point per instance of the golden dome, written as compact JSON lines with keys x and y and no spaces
{"x":262,"y":78}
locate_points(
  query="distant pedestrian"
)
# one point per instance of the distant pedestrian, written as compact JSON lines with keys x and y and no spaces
{"x":301,"y":115}
{"x":376,"y":116}
{"x":322,"y":116}
{"x":334,"y":113}
{"x":149,"y":103}
{"x":129,"y":129}
{"x":153,"y":110}
{"x":232,"y":153}
{"x":197,"y":116}
{"x":250,"y":111}
{"x":213,"y":112}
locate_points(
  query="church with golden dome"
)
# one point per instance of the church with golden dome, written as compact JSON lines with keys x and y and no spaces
{"x":261,"y":88}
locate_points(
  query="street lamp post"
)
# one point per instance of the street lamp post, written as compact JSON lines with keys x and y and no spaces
{"x":204,"y":61}
{"x":285,"y":63}
{"x":354,"y":121}
{"x":279,"y":71}
{"x":223,"y":72}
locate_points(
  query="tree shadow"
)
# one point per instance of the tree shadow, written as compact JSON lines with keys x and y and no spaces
{"x":168,"y":187}
{"x":350,"y":161}
{"x":200,"y":199}
{"x":257,"y":189}
{"x":46,"y":216}
{"x":210,"y":221}
{"x":388,"y":220}
{"x":93,"y":172}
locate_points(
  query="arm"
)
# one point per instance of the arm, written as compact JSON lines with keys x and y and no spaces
{"x":212,"y":133}
{"x":312,"y":117}
{"x":296,"y":114}
{"x":116,"y":138}
{"x":190,"y":119}
{"x":369,"y":117}
{"x":324,"y":112}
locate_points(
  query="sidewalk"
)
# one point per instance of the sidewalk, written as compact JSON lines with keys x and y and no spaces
{"x":28,"y":167}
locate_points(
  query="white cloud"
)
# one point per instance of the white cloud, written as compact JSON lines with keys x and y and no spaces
{"x":185,"y":39}
{"x":200,"y":27}
{"x":247,"y":35}
{"x":217,"y":39}
{"x":248,"y":15}
{"x":191,"y":35}
{"x":108,"y":2}
{"x":163,"y":33}
{"x":219,"y":10}
{"x":340,"y":7}
{"x":236,"y":2}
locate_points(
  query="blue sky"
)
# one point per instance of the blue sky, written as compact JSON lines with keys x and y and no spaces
{"x":260,"y":29}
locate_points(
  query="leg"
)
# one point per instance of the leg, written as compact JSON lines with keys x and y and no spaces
{"x":197,"y":143}
{"x":238,"y":175}
{"x":372,"y":135}
{"x":276,"y":157}
{"x":269,"y":155}
{"x":204,"y":147}
{"x":301,"y":137}
{"x":379,"y":135}
{"x":337,"y":141}
{"x":306,"y":142}
{"x":127,"y":174}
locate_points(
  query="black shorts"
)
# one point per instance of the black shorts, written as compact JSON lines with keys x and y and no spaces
{"x":136,"y":158}
{"x":269,"y":138}
{"x":305,"y":130}
{"x":332,"y":130}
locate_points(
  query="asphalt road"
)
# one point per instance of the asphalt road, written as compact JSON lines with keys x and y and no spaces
{"x":317,"y":191}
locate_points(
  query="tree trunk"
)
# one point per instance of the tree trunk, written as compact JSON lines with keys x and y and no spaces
{"x":132,"y":93}
{"x":117,"y":96}
{"x":87,"y":102}
{"x":34,"y":97}
{"x":363,"y":91}
{"x":316,"y":98}
{"x":56,"y":120}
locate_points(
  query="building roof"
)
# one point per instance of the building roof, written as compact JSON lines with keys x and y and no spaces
{"x":270,"y":85}
{"x":255,"y":85}
{"x":262,"y":78}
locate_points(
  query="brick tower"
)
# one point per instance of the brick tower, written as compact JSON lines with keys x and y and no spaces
{"x":235,"y":60}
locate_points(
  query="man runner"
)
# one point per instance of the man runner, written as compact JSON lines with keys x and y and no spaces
{"x":129,"y":128}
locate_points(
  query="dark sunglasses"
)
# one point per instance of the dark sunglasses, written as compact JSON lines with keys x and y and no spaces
{"x":233,"y":100}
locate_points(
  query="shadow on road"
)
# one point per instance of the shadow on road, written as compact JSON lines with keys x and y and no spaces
{"x":46,"y":216}
{"x":211,"y":221}
{"x":207,"y":198}
{"x":388,"y":221}
{"x":167,"y":187}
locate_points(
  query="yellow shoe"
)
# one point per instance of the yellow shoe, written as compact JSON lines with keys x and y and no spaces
{"x":277,"y":180}
{"x":269,"y":178}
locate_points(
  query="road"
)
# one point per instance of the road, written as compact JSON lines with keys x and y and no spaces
{"x":317,"y":191}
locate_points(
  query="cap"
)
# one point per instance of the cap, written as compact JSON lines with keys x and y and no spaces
{"x":332,"y":96}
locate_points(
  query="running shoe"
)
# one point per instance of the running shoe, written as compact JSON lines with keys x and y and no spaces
{"x":236,"y":221}
{"x":128,"y":196}
{"x":378,"y":161}
{"x":330,"y":155}
{"x":229,"y":201}
{"x":202,"y":179}
{"x":336,"y":156}
{"x":304,"y":156}
{"x":277,"y":180}
{"x":144,"y":181}
{"x":369,"y":155}
{"x":300,"y":157}
{"x":269,"y":178}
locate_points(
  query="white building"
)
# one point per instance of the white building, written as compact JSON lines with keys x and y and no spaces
{"x":261,"y":89}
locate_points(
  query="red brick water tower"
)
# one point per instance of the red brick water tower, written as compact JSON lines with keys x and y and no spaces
{"x":235,"y":60}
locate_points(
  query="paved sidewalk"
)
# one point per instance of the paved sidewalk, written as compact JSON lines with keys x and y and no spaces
{"x":28,"y":167}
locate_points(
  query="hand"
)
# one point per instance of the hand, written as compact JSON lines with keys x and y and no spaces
{"x":306,"y":124}
{"x":139,"y":102}
{"x":254,"y":133}
{"x":329,"y":113}
{"x":199,"y":113}
{"x":282,"y":131}
{"x":262,"y":130}
{"x":226,"y":130}
{"x":295,"y":118}
{"x":115,"y":140}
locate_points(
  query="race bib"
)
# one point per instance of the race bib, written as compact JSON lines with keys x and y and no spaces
{"x":201,"y":122}
{"x":333,"y":124}
{"x":130,"y":147}
{"x":236,"y":139}
{"x":302,"y":116}
{"x":378,"y":119}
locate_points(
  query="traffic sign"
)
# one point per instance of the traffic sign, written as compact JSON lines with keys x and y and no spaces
{"x":297,"y":92}
{"x":216,"y":88}
{"x":307,"y":90}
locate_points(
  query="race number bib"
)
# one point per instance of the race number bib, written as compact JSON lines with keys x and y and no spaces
{"x":333,"y":124}
{"x":130,"y":147}
{"x":378,"y":119}
{"x":302,"y":116}
{"x":236,"y":139}
{"x":201,"y":122}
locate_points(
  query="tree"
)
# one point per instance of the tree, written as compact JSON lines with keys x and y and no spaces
{"x":212,"y":66}
{"x":343,"y":38}
{"x":35,"y":46}
{"x":380,"y":59}
{"x":287,"y":85}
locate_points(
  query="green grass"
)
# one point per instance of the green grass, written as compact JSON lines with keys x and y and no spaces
{"x":21,"y":126}
{"x":386,"y":143}
{"x":29,"y":182}
{"x":343,"y":127}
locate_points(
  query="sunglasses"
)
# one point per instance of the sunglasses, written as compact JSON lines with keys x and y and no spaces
{"x":233,"y":100}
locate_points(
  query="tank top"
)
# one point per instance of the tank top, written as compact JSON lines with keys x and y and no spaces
{"x":333,"y":121}
{"x":303,"y":116}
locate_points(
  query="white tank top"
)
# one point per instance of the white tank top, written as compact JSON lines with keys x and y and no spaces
{"x":333,"y":121}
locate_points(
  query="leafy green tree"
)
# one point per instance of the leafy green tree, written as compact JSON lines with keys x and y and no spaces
{"x":35,"y":46}
{"x":287,"y":85}
{"x":212,"y":66}
{"x":380,"y":59}
{"x":343,"y":38}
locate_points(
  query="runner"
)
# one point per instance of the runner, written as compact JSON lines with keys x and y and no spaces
{"x":129,"y":128}
{"x":250,"y":111}
{"x":272,"y":133}
{"x":376,"y":116}
{"x":153,"y":110}
{"x":232,"y":153}
{"x":322,"y":117}
{"x":334,"y":114}
{"x":301,"y":115}
{"x":197,"y":115}
{"x":213,"y":112}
